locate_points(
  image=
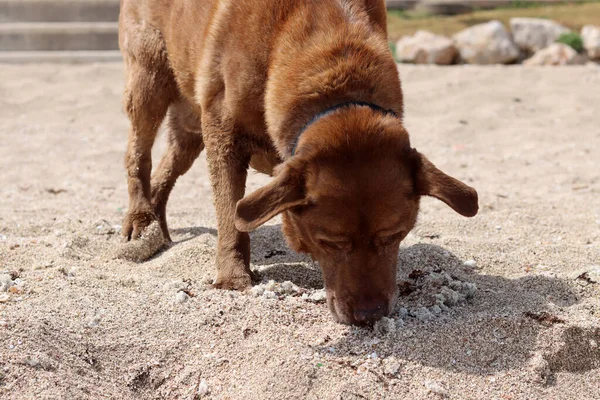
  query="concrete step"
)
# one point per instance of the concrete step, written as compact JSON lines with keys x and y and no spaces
{"x":59,"y":10}
{"x":58,"y":57}
{"x":453,"y":7}
{"x":30,"y":36}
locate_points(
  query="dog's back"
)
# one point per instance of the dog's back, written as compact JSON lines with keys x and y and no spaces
{"x":230,"y":38}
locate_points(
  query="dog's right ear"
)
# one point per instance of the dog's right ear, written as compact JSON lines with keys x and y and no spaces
{"x":430,"y":181}
{"x":285,"y":191}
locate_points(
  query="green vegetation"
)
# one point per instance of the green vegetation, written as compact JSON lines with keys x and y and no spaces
{"x":572,"y":15}
{"x":572,"y":39}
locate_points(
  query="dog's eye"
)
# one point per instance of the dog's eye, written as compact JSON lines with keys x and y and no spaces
{"x":345,"y":245}
{"x":391,"y":239}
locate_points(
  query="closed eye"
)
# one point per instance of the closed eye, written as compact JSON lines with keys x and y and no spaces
{"x":389,"y":239}
{"x":337,"y":245}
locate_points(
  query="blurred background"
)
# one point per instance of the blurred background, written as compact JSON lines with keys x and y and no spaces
{"x":86,"y":30}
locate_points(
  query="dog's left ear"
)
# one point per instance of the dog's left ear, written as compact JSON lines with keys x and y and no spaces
{"x":430,"y":181}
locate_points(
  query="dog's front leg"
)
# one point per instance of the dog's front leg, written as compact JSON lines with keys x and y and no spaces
{"x":228,"y":158}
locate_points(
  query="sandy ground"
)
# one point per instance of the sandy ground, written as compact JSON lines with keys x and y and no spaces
{"x":77,"y":323}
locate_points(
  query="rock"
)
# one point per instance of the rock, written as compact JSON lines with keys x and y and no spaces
{"x":425,"y":48}
{"x":487,"y":43}
{"x":5,"y":282}
{"x":591,"y":41}
{"x":4,"y":298}
{"x":391,"y":366}
{"x":555,"y":54}
{"x":318,"y":296}
{"x":181,"y":297}
{"x":470,"y":264}
{"x":436,"y":388}
{"x":202,"y":389}
{"x":257,"y":290}
{"x":534,"y":34}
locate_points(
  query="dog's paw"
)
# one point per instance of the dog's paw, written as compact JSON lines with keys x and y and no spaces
{"x":135,"y":223}
{"x":240,"y":283}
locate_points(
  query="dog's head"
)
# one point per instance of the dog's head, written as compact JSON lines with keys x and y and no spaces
{"x":348,"y":197}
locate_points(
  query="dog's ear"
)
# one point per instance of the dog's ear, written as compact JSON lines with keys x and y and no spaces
{"x":285,"y":191}
{"x":430,"y":181}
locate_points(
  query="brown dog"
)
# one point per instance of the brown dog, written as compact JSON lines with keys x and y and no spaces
{"x":306,"y":90}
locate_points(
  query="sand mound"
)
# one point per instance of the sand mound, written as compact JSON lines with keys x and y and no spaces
{"x":151,"y":241}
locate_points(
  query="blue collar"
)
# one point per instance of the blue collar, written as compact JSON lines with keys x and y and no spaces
{"x":331,"y":110}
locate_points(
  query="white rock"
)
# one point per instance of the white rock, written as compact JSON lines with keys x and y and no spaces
{"x":391,"y":366}
{"x":202,"y":388}
{"x":257,"y":290}
{"x":181,"y":297}
{"x":271,"y":286}
{"x":487,"y":43}
{"x":470,"y":264}
{"x":534,"y":34}
{"x":5,"y":282}
{"x":555,"y":54}
{"x":425,"y":48}
{"x":4,"y":297}
{"x":318,"y":296}
{"x":288,"y":287}
{"x":436,"y":388}
{"x":591,"y":41}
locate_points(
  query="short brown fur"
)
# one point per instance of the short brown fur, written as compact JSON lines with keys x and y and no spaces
{"x":241,"y":79}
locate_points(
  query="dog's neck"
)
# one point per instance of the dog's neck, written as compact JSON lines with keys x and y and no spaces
{"x":331,"y":110}
{"x":341,"y":63}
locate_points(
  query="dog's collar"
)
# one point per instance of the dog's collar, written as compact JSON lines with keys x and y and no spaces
{"x":331,"y":110}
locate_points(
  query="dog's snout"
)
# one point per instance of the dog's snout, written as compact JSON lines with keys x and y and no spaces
{"x":369,"y":315}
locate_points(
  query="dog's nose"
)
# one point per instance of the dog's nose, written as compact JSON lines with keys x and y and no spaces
{"x":369,"y":315}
